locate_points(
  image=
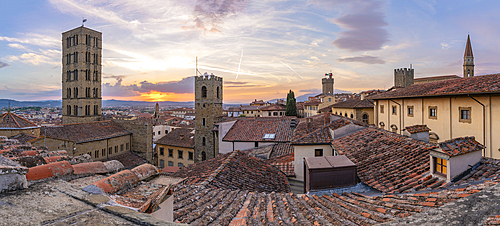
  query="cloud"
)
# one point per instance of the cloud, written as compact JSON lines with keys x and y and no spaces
{"x":363,"y":59}
{"x":33,"y":58}
{"x":33,"y":39}
{"x":311,"y":90}
{"x":185,"y":85}
{"x":17,"y":46}
{"x":209,"y":14}
{"x":2,"y":64}
{"x":117,"y":77}
{"x":363,"y":22}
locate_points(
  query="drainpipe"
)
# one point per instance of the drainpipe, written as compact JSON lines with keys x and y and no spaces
{"x":399,"y":115}
{"x":484,"y":122}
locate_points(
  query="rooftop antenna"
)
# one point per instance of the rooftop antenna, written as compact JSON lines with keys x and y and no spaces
{"x":196,"y":72}
{"x":9,"y":107}
{"x":83,"y":21}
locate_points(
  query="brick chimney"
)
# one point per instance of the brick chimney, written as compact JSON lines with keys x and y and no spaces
{"x":327,"y":118}
{"x":309,"y":123}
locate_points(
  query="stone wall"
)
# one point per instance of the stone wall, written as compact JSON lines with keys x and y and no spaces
{"x":142,"y":137}
{"x":13,"y":132}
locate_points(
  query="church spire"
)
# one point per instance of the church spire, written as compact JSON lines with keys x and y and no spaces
{"x":468,"y":59}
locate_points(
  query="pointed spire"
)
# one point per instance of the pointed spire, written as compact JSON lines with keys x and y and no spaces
{"x":468,"y":48}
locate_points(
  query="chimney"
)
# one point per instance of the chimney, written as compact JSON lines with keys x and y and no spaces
{"x":309,"y":123}
{"x":327,"y":118}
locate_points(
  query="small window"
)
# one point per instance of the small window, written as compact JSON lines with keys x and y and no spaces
{"x":96,"y":153}
{"x":382,"y":109}
{"x":170,"y":163}
{"x":465,"y":114}
{"x":166,"y":131}
{"x":180,"y":164}
{"x":256,"y":144}
{"x":170,"y":152}
{"x":318,"y":152}
{"x":203,"y":91}
{"x":432,"y":112}
{"x":162,"y":151}
{"x":190,"y":155}
{"x":365,"y":118}
{"x":345,"y":114}
{"x":110,"y":151}
{"x":162,"y":163}
{"x":218,"y":96}
{"x":203,"y":121}
{"x":103,"y":152}
{"x":275,"y":113}
{"x":203,"y":156}
{"x":410,"y":111}
{"x":394,"y":110}
{"x":352,"y":116}
{"x":441,"y":166}
{"x":116,"y":149}
{"x":179,"y":154}
{"x":159,"y":132}
{"x":203,"y":141}
{"x":128,"y":146}
{"x":122,"y":148}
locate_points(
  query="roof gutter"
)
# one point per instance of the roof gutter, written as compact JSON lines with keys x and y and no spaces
{"x":484,"y":123}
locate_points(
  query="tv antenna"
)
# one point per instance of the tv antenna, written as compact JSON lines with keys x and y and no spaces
{"x":196,"y":72}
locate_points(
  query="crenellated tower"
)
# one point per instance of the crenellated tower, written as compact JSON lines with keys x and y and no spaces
{"x":208,"y":107}
{"x":404,"y":77}
{"x":328,"y":84}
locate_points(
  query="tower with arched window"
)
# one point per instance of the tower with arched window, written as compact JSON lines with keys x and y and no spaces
{"x":208,"y":107}
{"x":81,"y":75}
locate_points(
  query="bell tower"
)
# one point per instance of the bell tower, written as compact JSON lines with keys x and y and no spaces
{"x":468,"y":60}
{"x":81,"y":75}
{"x":208,"y":107}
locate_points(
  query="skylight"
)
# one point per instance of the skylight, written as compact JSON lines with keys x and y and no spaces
{"x":269,"y":136}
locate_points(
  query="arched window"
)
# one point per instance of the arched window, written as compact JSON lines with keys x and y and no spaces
{"x":204,"y":91}
{"x":365,"y":118}
{"x":352,"y":116}
{"x":468,"y":72}
{"x":69,"y":109}
{"x":203,"y":156}
{"x":218,"y":93}
{"x":345,"y":114}
{"x":203,"y":141}
{"x":68,"y":94}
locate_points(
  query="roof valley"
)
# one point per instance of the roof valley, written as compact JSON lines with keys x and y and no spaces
{"x":219,"y":169}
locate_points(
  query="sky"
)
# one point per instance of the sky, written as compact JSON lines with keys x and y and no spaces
{"x":262,"y":49}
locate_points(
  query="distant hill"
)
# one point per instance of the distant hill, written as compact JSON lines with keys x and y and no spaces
{"x":4,"y":103}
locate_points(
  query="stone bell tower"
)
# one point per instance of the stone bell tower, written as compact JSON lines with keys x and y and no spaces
{"x":208,"y":107}
{"x":81,"y":75}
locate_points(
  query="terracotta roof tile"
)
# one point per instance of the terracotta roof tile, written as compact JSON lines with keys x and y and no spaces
{"x":273,"y":107}
{"x":417,"y":129}
{"x":317,"y":131}
{"x":387,"y":161}
{"x":11,"y":120}
{"x":254,"y":129}
{"x":129,"y":160}
{"x":462,"y":86}
{"x":84,"y":132}
{"x":356,"y":103}
{"x":181,"y":137}
{"x":201,"y":205}
{"x":461,"y":145}
{"x":235,"y":170}
{"x":23,"y":138}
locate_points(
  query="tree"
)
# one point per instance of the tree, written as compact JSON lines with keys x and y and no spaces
{"x":291,"y":107}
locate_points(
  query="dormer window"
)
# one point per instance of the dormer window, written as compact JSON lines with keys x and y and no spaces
{"x":269,"y":136}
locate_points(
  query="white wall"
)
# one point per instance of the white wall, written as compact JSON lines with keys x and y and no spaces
{"x":306,"y":151}
{"x":458,"y":164}
{"x":225,"y":147}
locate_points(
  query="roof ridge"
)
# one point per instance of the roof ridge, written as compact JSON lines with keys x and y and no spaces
{"x":13,"y":118}
{"x":26,"y":120}
{"x":219,"y":169}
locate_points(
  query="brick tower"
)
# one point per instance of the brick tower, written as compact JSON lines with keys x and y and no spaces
{"x":328,"y":84}
{"x":81,"y":75}
{"x":208,"y":106}
{"x":468,"y":59}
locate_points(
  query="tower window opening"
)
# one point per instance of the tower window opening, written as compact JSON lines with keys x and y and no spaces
{"x":204,"y":91}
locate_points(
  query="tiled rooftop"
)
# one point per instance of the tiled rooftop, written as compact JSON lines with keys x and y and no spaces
{"x":11,"y":120}
{"x":355,"y":103}
{"x":181,"y":137}
{"x":281,"y":149}
{"x":23,"y":138}
{"x":129,"y":160}
{"x":389,"y":162}
{"x":235,"y":170}
{"x":254,"y":129}
{"x":284,"y":163}
{"x":84,"y":132}
{"x":461,"y":86}
{"x":199,"y":205}
{"x":437,"y":77}
{"x":461,"y":145}
{"x":417,"y":129}
{"x":273,"y":107}
{"x":318,"y":132}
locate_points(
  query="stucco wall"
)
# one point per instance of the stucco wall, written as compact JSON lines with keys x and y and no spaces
{"x":306,"y":151}
{"x":458,"y":164}
{"x":225,"y":147}
{"x":248,"y":145}
{"x":175,"y":158}
{"x":13,"y":132}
